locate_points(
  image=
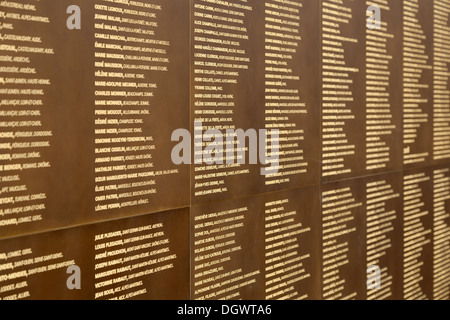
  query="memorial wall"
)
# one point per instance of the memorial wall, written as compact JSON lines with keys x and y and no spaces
{"x":96,"y":94}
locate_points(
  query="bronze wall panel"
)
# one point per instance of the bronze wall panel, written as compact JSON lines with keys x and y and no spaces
{"x":343,"y":86}
{"x":257,"y":248}
{"x":261,"y":76}
{"x":418,"y":234}
{"x":143,"y":257}
{"x":360,"y":67}
{"x":383,"y":72}
{"x":86,"y":118}
{"x":441,"y":82}
{"x":441,"y":232}
{"x":343,"y":237}
{"x":87,"y":82}
{"x":383,"y":221}
{"x":417,"y":83}
{"x":361,"y":228}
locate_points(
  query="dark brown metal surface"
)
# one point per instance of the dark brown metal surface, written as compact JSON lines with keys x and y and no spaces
{"x":383,"y":223}
{"x":257,"y":248}
{"x":418,"y":234}
{"x":143,"y":257}
{"x":110,"y":113}
{"x":417,"y":84}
